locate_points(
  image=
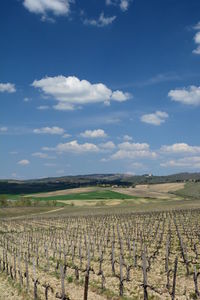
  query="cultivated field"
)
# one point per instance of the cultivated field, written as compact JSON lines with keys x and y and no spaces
{"x":157,"y":191}
{"x":110,"y":256}
{"x":97,"y":196}
{"x":133,"y":248}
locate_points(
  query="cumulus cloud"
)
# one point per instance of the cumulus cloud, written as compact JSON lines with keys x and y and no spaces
{"x":49,"y":130}
{"x":71,"y":92}
{"x":124,"y":154}
{"x":44,"y":7}
{"x":127,"y":137}
{"x":156,"y":118}
{"x":97,"y":133}
{"x":179,"y":148}
{"x":7,"y":87}
{"x":23,"y":162}
{"x":197,"y":39}
{"x":186,"y":162}
{"x":129,"y":150}
{"x":73,"y":147}
{"x":102,"y":21}
{"x":189,"y":96}
{"x":133,"y":146}
{"x":107,"y":146}
{"x":48,"y":9}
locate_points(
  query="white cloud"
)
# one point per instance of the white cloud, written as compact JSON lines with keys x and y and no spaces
{"x":123,"y":4}
{"x":66,"y":135}
{"x":156,"y":118}
{"x":7,"y":87}
{"x":120,"y":96}
{"x":71,"y":92}
{"x":3,"y":129}
{"x":133,"y":146}
{"x":124,"y":154}
{"x":189,"y":96}
{"x":104,"y":159}
{"x":43,"y":7}
{"x":73,"y":147}
{"x":197,"y":26}
{"x":107,"y":146}
{"x":97,"y":133}
{"x":129,"y":150}
{"x":49,"y":130}
{"x":186,"y":162}
{"x":63,"y":106}
{"x":23,"y":162}
{"x":179,"y":148}
{"x":102,"y":21}
{"x":40,"y":155}
{"x":26,"y":99}
{"x":13,"y":152}
{"x":127,"y":137}
{"x":197,"y":39}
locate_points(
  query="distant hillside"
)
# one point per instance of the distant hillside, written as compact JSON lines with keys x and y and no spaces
{"x":66,"y":182}
{"x":190,"y":190}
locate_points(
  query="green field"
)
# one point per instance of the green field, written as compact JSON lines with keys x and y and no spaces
{"x":94,"y":195}
{"x":87,"y":201}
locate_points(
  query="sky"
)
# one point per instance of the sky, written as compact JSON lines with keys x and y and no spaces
{"x":99,"y":86}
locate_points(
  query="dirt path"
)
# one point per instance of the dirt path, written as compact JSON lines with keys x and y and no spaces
{"x":50,"y":211}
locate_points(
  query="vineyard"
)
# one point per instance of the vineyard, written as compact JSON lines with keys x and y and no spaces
{"x":152,"y":255}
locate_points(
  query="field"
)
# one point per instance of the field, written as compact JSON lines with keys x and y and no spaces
{"x":127,"y":244}
{"x":190,"y":190}
{"x":157,"y":191}
{"x":100,"y":194}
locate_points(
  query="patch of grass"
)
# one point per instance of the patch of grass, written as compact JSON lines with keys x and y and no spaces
{"x":69,"y":279}
{"x":95,"y":195}
{"x":193,"y":296}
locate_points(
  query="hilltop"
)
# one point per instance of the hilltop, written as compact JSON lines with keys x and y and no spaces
{"x":9,"y":186}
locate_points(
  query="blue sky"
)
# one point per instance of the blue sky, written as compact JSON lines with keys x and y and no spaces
{"x":99,"y":87}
